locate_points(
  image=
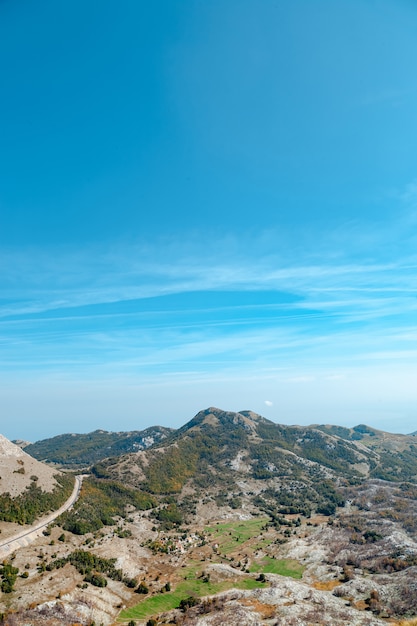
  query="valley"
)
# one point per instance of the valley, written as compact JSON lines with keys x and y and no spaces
{"x":231,"y":519}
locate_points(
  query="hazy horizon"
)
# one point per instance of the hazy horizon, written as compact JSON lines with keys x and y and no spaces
{"x":207,"y":204}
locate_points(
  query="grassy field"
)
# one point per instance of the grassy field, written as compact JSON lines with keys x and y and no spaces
{"x":232,"y":535}
{"x":261,"y":543}
{"x":284,"y":567}
{"x":167,"y":601}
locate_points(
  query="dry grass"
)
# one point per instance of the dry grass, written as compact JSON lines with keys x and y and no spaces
{"x":326,"y":585}
{"x":361,"y":605}
{"x":267,"y":611}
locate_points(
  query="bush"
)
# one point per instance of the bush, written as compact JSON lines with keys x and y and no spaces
{"x":142,"y":588}
{"x":96,"y":579}
{"x":9,"y":575}
{"x":187,"y":602}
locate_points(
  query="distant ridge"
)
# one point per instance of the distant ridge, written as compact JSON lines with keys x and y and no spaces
{"x":385,"y":455}
{"x":74,"y":449}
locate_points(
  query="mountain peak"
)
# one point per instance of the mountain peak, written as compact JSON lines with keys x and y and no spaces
{"x":9,"y":449}
{"x":216,"y":417}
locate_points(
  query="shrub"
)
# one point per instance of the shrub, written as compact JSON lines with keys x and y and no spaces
{"x":187,"y":602}
{"x":142,"y":588}
{"x":9,"y":575}
{"x":96,"y":579}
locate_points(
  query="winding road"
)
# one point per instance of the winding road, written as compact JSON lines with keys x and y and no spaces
{"x":29,"y":534}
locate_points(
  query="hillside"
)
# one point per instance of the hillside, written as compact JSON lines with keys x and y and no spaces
{"x":84,"y":449}
{"x":396,"y":454}
{"x":217,"y":450}
{"x":28,"y":488}
{"x":18,"y":469}
{"x":233,"y":519}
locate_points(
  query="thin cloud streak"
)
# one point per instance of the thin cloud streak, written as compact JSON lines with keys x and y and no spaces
{"x":119,"y":317}
{"x":165,"y":280}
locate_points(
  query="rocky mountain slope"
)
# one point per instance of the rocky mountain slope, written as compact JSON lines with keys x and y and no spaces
{"x":18,"y":469}
{"x":224,"y":452}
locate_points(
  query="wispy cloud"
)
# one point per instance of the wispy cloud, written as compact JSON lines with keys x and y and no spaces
{"x":151,"y":315}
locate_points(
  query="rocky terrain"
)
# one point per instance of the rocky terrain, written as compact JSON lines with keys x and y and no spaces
{"x":17,"y":469}
{"x":233,"y":520}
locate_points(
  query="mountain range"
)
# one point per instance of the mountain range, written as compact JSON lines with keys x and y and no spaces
{"x":361,"y":449}
{"x":326,"y":514}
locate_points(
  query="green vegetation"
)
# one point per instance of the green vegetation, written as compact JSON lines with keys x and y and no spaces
{"x":340,"y":431}
{"x":92,"y":567}
{"x":8,"y":574}
{"x":168,"y":472}
{"x":169,"y":516}
{"x":34,"y":502}
{"x":231,"y":535}
{"x":187,"y":602}
{"x":386,"y":462}
{"x":308,"y":443}
{"x":195,"y":588}
{"x":397,"y":466}
{"x":201,"y":452}
{"x":88,"y":448}
{"x":100,"y":501}
{"x":142,"y":588}
{"x":192,"y":453}
{"x":363,"y":429}
{"x":95,"y":579}
{"x":321,"y":496}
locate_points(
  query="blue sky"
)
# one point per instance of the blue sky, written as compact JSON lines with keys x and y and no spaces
{"x":207,"y":203}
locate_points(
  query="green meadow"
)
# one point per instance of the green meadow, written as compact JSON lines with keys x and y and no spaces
{"x":229,"y":536}
{"x":232,"y":535}
{"x":284,"y":567}
{"x":189,"y":587}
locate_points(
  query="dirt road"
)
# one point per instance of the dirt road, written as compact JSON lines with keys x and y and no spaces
{"x":26,"y":536}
